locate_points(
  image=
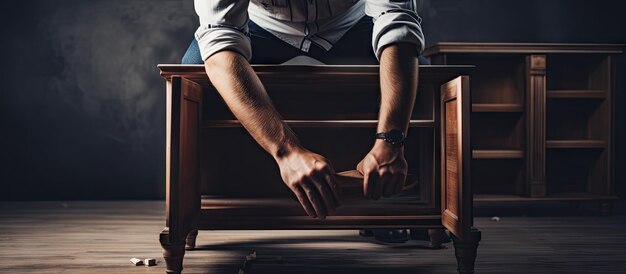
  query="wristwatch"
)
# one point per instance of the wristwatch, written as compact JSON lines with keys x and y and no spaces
{"x":394,"y":136}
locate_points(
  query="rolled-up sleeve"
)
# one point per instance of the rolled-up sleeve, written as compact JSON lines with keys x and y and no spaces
{"x":395,"y":21}
{"x":223,"y":26}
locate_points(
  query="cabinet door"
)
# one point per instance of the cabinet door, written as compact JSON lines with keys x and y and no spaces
{"x":183,"y":127}
{"x":456,"y":192}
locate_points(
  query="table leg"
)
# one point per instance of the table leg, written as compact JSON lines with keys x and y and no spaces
{"x":465,"y":251}
{"x":173,"y":253}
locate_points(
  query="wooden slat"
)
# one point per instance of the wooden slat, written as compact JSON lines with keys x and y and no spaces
{"x":317,"y":123}
{"x":497,"y":108}
{"x":527,"y":48}
{"x":552,"y":197}
{"x":280,"y":207}
{"x":497,"y":154}
{"x":575,"y":144}
{"x":212,"y":220}
{"x":429,"y":74}
{"x":577,"y":94}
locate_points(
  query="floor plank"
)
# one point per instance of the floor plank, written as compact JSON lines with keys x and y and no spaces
{"x":101,"y":237}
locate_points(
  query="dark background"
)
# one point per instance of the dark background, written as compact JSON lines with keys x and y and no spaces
{"x":82,"y":104}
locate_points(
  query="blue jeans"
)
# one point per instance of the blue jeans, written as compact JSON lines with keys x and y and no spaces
{"x":354,"y":48}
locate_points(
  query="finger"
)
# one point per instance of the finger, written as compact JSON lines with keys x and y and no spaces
{"x":388,"y":184}
{"x":369,"y":185}
{"x":401,"y":178}
{"x":334,"y":186}
{"x":383,"y":179}
{"x":334,"y":191}
{"x":304,"y":201}
{"x":329,"y":177}
{"x":315,"y":199}
{"x":325,"y":192}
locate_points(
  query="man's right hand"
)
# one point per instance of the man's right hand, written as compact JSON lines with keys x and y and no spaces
{"x":312,"y":179}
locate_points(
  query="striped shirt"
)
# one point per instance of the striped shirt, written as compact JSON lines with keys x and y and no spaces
{"x":300,"y":23}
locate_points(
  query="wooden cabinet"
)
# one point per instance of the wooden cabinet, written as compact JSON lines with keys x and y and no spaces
{"x":542,"y":119}
{"x":219,"y":178}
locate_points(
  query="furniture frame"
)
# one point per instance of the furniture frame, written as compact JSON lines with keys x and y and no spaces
{"x":319,"y":103}
{"x":543,"y":119}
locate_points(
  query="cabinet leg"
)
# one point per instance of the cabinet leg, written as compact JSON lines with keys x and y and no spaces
{"x":190,"y":242}
{"x":606,"y":208}
{"x":173,"y":253}
{"x":437,"y":237}
{"x":465,"y":251}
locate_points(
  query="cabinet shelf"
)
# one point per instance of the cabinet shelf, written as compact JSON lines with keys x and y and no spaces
{"x":577,"y":94}
{"x":554,"y":197}
{"x":317,"y":123}
{"x":497,"y":108}
{"x":497,"y":154}
{"x":575,"y":144}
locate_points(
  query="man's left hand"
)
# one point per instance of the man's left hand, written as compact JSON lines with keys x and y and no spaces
{"x":384,"y":170}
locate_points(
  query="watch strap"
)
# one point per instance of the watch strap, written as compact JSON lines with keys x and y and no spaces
{"x":387,"y":138}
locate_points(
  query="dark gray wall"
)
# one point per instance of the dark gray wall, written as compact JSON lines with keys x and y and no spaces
{"x":82,"y":105}
{"x":82,"y":101}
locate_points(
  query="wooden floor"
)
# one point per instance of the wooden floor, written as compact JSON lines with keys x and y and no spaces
{"x":101,"y":237}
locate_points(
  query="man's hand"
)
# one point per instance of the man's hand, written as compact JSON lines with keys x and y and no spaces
{"x":311,"y":178}
{"x":384,"y":170}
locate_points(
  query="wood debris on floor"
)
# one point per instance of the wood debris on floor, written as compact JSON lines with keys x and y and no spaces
{"x":136,"y":262}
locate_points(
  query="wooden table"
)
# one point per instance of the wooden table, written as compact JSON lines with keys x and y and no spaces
{"x":218,"y":178}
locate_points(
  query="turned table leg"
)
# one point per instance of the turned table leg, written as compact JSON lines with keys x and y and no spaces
{"x":173,"y":253}
{"x":190,"y":242}
{"x":465,"y":251}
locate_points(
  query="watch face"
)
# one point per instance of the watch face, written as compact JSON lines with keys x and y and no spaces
{"x":395,"y":136}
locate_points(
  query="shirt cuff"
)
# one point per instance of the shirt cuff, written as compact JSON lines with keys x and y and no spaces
{"x":395,"y":27}
{"x":216,"y":39}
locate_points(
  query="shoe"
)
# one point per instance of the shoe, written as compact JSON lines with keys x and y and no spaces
{"x":393,"y":236}
{"x":386,"y":235}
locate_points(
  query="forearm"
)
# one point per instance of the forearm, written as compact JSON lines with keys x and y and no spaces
{"x":384,"y":168}
{"x":398,"y":83}
{"x":243,"y":92}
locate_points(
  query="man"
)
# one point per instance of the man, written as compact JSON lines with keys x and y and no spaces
{"x":233,"y":34}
